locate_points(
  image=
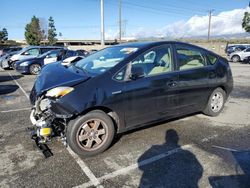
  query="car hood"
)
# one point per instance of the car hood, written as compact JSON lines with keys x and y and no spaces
{"x":55,"y":74}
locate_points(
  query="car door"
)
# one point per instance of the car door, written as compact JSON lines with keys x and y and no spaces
{"x":195,"y":78}
{"x":51,"y":57}
{"x":151,"y":97}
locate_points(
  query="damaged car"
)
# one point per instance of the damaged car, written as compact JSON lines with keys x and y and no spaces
{"x":123,"y":87}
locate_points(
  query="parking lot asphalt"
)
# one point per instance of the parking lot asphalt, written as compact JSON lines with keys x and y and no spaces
{"x":193,"y":151}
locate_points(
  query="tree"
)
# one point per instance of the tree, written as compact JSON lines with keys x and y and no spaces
{"x":52,"y":32}
{"x":33,"y":33}
{"x":246,"y":22}
{"x":3,"y":35}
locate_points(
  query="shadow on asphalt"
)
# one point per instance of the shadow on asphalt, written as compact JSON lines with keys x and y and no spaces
{"x":241,"y":92}
{"x":6,"y":89}
{"x":180,"y":169}
{"x":242,"y":180}
{"x":9,"y":78}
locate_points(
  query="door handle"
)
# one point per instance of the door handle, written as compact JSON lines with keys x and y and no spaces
{"x":172,"y":83}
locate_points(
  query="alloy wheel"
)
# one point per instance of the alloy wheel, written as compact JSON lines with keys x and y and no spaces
{"x":35,"y":69}
{"x":92,"y":134}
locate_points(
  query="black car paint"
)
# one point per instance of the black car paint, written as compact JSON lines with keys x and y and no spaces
{"x":137,"y":102}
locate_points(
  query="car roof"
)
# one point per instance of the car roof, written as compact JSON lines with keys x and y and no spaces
{"x":155,"y":43}
{"x":44,"y":47}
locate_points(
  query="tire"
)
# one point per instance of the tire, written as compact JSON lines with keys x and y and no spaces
{"x":215,"y":103}
{"x":35,"y":69}
{"x":236,"y":58}
{"x":14,"y":65}
{"x":84,"y":133}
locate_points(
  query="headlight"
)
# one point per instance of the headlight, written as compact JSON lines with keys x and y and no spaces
{"x":25,"y":63}
{"x":59,"y":91}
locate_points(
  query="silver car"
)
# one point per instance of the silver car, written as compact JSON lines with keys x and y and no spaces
{"x":239,"y":55}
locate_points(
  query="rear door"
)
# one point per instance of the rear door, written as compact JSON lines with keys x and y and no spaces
{"x":196,"y":78}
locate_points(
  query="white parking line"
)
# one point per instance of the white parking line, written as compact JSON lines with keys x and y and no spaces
{"x":224,"y":148}
{"x":135,"y":166}
{"x":15,"y":110}
{"x":85,"y":169}
{"x":25,"y":93}
{"x":83,"y":166}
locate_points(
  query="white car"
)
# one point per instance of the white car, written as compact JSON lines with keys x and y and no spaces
{"x":72,"y":59}
{"x":240,"y":55}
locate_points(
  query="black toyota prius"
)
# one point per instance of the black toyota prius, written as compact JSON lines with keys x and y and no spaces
{"x":125,"y":87}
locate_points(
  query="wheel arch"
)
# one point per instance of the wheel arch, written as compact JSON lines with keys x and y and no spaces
{"x":237,"y":56}
{"x":111,"y":113}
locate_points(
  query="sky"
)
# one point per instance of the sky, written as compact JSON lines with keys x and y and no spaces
{"x":80,"y":19}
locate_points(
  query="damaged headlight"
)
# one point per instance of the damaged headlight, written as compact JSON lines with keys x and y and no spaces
{"x":59,"y":92}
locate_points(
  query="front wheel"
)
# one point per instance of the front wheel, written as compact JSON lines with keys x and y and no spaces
{"x":215,"y":103}
{"x":236,"y":58}
{"x":35,"y":69}
{"x":90,"y":134}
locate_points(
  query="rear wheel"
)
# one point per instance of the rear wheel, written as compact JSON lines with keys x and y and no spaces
{"x":90,"y":134}
{"x":215,"y":103}
{"x":35,"y":68}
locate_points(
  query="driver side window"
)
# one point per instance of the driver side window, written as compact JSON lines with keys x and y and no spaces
{"x":155,"y":61}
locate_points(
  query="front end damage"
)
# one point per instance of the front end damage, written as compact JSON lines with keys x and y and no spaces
{"x":48,"y":123}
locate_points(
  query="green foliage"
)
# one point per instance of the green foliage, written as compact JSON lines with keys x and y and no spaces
{"x":3,"y":35}
{"x":33,"y":33}
{"x":246,"y":22}
{"x":52,"y":32}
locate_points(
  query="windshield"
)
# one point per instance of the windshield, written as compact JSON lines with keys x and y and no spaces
{"x":105,"y":59}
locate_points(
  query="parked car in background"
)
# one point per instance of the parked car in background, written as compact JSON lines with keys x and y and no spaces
{"x":63,"y":54}
{"x":239,"y":55}
{"x":34,"y":65}
{"x":112,"y":90}
{"x":83,"y":53}
{"x":5,"y":59}
{"x":70,"y":60}
{"x":31,"y":52}
{"x":93,"y":51}
{"x":9,"y":50}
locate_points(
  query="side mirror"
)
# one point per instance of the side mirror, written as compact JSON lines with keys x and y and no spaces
{"x":137,"y":72}
{"x":26,"y":53}
{"x":47,"y":56}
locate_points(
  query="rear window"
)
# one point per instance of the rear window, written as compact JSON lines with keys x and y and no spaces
{"x":189,"y":57}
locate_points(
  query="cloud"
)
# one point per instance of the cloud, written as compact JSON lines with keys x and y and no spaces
{"x":224,"y":23}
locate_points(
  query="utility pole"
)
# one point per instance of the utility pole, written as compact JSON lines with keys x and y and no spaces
{"x":209,"y":24}
{"x":102,"y":24}
{"x":120,"y":21}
